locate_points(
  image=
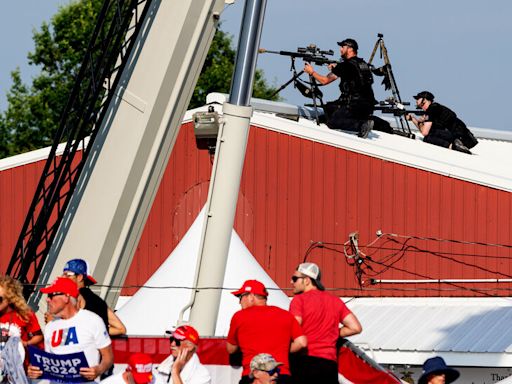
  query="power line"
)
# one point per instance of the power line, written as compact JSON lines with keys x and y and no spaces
{"x":448,"y":240}
{"x":481,"y":292}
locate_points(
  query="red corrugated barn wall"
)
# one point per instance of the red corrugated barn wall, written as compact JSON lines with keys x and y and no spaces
{"x":296,"y":191}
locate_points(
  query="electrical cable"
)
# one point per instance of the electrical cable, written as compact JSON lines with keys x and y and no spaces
{"x":444,"y":282}
{"x":450,"y":240}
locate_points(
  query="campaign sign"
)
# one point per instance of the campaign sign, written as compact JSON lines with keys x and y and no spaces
{"x":59,"y":368}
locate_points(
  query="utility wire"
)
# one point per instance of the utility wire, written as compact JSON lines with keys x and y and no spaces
{"x":449,"y":240}
{"x":444,"y":282}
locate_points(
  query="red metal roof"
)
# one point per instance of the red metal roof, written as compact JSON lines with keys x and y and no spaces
{"x":295,"y":191}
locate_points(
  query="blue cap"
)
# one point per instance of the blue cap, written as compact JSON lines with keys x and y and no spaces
{"x":79,"y":267}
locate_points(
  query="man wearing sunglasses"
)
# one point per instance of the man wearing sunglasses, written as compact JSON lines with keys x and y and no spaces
{"x":320,"y":314}
{"x":183,"y":365}
{"x":264,"y":369}
{"x":259,"y":328}
{"x":74,"y":330}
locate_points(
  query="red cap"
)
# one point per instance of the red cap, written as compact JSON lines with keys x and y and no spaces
{"x":186,"y":332}
{"x":62,"y":285}
{"x":252,"y":286}
{"x":141,"y":368}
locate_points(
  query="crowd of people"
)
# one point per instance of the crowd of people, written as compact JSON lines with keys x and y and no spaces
{"x":353,"y":110}
{"x":276,"y":345}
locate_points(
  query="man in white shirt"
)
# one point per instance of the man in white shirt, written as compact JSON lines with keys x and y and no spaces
{"x":183,"y":365}
{"x":74,"y":330}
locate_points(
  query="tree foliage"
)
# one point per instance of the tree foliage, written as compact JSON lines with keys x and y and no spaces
{"x":33,"y":112}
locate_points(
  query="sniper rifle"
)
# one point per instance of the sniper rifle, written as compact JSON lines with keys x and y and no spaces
{"x":310,"y":54}
{"x":396,"y":108}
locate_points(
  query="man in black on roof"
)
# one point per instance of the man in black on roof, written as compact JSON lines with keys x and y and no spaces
{"x":441,"y":126}
{"x":352,"y":111}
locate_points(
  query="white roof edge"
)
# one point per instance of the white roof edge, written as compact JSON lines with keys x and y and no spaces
{"x":438,"y":301}
{"x":459,"y":359}
{"x":483,"y":168}
{"x":480,"y":169}
{"x":33,"y":156}
{"x":291,"y":109}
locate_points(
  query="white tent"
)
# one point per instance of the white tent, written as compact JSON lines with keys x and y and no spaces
{"x":156,"y":306}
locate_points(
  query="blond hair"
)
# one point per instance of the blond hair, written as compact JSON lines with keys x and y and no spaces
{"x":14,"y":295}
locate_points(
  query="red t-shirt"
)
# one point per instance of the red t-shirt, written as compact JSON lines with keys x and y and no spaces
{"x":11,"y":324}
{"x":321,"y":315}
{"x":264,"y":329}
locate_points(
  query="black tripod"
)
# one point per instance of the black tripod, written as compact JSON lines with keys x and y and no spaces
{"x":307,"y":89}
{"x":388,"y":72}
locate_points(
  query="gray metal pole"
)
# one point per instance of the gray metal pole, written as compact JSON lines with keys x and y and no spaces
{"x":247,"y":53}
{"x":226,"y":175}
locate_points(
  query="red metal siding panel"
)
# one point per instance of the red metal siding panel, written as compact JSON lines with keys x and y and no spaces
{"x":295,"y":191}
{"x":17,"y":187}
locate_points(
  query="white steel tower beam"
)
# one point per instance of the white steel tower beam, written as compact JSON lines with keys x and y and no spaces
{"x":107,"y":213}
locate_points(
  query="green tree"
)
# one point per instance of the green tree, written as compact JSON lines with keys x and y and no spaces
{"x":33,"y":112}
{"x":218,"y":70}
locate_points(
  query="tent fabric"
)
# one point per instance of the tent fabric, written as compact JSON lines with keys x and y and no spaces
{"x":163,"y":296}
{"x":169,"y":289}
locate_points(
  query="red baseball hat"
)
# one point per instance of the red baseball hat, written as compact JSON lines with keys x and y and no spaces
{"x":252,"y":286}
{"x":141,"y":367}
{"x":186,"y":332}
{"x":62,"y":285}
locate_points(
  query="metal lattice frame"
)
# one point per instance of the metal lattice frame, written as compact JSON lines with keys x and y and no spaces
{"x":114,"y":36}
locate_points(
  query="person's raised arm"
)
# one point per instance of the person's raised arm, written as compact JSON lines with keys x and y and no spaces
{"x":351,"y":326}
{"x":421,"y":124}
{"x":115,"y":325}
{"x":298,"y":344}
{"x":324,"y":80}
{"x":231,"y":348}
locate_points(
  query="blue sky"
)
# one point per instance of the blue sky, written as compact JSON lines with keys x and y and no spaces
{"x":457,"y":49}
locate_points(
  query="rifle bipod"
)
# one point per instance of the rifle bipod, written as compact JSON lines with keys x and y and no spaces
{"x":309,"y":89}
{"x":390,"y":83}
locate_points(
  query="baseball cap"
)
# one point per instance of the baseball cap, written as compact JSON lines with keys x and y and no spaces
{"x":264,"y":362}
{"x":62,"y":285}
{"x":80,"y":267}
{"x":349,"y":42}
{"x":312,"y":271}
{"x":252,"y":286}
{"x":424,"y":95}
{"x":140,"y":366}
{"x":186,"y":332}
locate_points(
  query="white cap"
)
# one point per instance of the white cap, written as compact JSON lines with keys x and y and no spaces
{"x":312,"y":271}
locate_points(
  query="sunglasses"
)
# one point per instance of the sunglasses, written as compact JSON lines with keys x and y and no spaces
{"x":295,"y":278}
{"x":176,"y":341}
{"x":274,"y":371}
{"x":1,"y":299}
{"x":53,"y":294}
{"x":242,"y":296}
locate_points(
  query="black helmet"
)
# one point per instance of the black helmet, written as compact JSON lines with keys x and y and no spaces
{"x":424,"y":95}
{"x":350,"y":43}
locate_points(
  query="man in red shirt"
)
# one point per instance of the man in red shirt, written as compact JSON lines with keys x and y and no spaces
{"x":261,"y":328}
{"x":320,"y":315}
